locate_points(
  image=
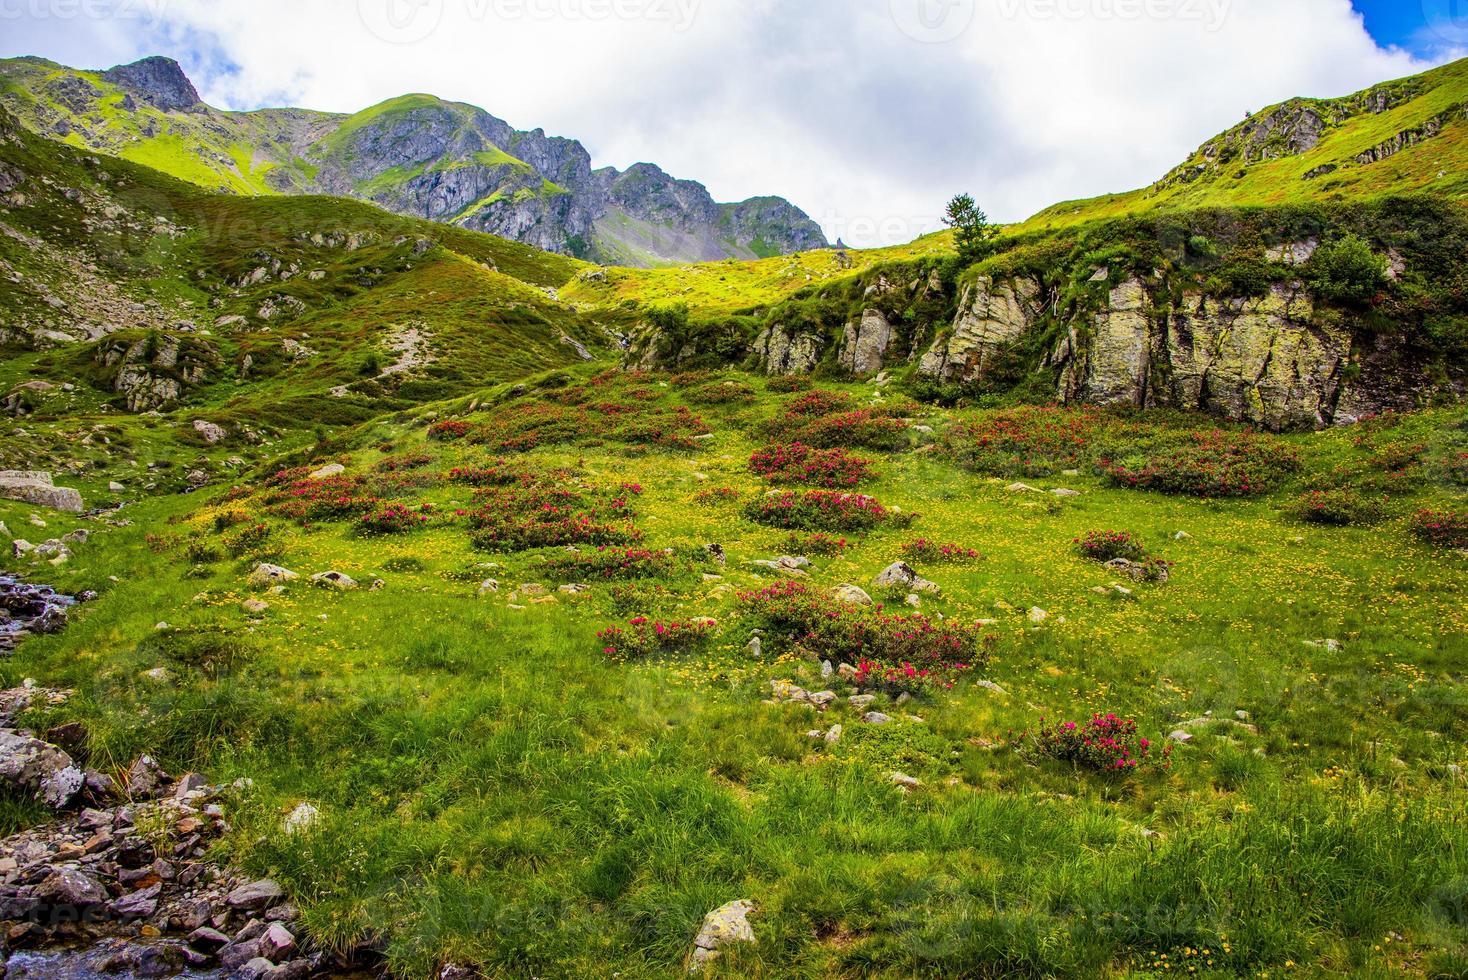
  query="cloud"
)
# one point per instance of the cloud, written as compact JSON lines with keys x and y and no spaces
{"x":867,"y":113}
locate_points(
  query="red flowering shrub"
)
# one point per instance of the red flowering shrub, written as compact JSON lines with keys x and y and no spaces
{"x":609,"y":563}
{"x":1104,"y":546}
{"x":831,"y":629}
{"x":1106,"y":744}
{"x":818,"y":403}
{"x":1444,"y":529}
{"x":905,"y":678}
{"x":532,"y":514}
{"x":820,"y":544}
{"x":865,"y":428}
{"x":720,"y":393}
{"x":1207,"y":464}
{"x":1032,"y":441}
{"x":788,"y":384}
{"x":931,"y":552}
{"x":411,"y":461}
{"x":799,"y":463}
{"x":643,"y":637}
{"x":1336,"y":507}
{"x":336,"y":498}
{"x":394,"y":519}
{"x":449,"y":430}
{"x":822,"y":510}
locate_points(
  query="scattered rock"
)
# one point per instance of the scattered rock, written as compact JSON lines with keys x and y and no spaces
{"x":725,"y":925}
{"x":334,"y":580}
{"x":904,"y":782}
{"x":1038,"y":615}
{"x":36,"y":487}
{"x":852,"y":595}
{"x":900,"y":575}
{"x":875,"y":718}
{"x":145,"y":778}
{"x":328,"y":471}
{"x":209,"y":432}
{"x":302,"y":819}
{"x":266,"y":575}
{"x":255,"y":895}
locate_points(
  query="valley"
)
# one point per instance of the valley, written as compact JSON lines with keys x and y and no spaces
{"x":449,"y":607}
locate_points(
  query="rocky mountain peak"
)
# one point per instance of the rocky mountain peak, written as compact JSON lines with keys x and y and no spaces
{"x":159,"y":81}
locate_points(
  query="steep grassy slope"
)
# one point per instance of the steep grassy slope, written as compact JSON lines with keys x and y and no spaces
{"x":415,"y":155}
{"x":1409,"y":135}
{"x":128,"y":289}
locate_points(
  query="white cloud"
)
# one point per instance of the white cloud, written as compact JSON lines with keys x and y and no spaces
{"x":841,"y":105}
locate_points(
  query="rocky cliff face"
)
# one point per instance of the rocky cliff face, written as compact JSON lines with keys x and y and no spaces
{"x":415,"y":155}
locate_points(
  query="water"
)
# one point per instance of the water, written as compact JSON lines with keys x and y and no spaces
{"x":27,"y":609}
{"x":72,"y":964}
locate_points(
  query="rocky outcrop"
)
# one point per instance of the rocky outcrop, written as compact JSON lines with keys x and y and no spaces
{"x":160,"y":82}
{"x":864,"y":343}
{"x":34,"y":487}
{"x":781,"y":349}
{"x":990,"y":317}
{"x":156,"y":370}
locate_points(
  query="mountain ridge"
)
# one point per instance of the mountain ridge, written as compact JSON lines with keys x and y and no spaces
{"x":417,"y":155}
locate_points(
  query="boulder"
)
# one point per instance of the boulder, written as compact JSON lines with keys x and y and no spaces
{"x":725,"y":925}
{"x":255,"y":895}
{"x":266,"y":575}
{"x":334,"y":580}
{"x":35,"y":487}
{"x":145,"y":778}
{"x":39,"y":768}
{"x":328,"y":471}
{"x":302,"y":819}
{"x":210,"y":432}
{"x":852,"y":595}
{"x":902,"y":576}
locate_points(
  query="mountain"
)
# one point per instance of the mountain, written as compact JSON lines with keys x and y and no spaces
{"x":1218,"y":289}
{"x":1408,"y":135}
{"x":416,"y":155}
{"x":123,"y":290}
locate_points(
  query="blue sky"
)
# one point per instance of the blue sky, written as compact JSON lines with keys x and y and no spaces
{"x":869,"y":114}
{"x":1402,"y":23}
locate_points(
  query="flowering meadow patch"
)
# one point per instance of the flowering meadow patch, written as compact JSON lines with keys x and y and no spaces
{"x":607,"y":563}
{"x":906,"y":678}
{"x":826,"y":420}
{"x":796,"y":462}
{"x":823,"y":510}
{"x":533,"y":514}
{"x":820,"y":544}
{"x":449,"y":431}
{"x":1104,"y":546}
{"x":830,"y":629}
{"x":1032,"y":441}
{"x":1107,"y":744}
{"x":721,"y":393}
{"x":392,"y":519}
{"x":525,"y":426}
{"x":1336,"y":507}
{"x":337,"y":498}
{"x":785,"y":384}
{"x":1206,"y":464}
{"x":714,"y":496}
{"x":1443,"y":529}
{"x":408,"y":461}
{"x":934,"y":552}
{"x":643,"y":637}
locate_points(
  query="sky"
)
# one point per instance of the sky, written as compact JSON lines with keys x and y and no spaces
{"x":869,"y":114}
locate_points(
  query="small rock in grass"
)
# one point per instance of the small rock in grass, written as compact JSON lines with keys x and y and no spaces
{"x":488,"y":586}
{"x":334,"y":580}
{"x":852,"y":595}
{"x":728,"y":924}
{"x":255,"y":607}
{"x":862,"y":701}
{"x":834,"y":735}
{"x":1038,"y":615}
{"x":302,"y":819}
{"x":1062,"y":492}
{"x":876,"y":718}
{"x":904,"y":782}
{"x":1181,"y":737}
{"x":328,"y":471}
{"x":1021,"y":488}
{"x":993,"y":688}
{"x":266,"y":574}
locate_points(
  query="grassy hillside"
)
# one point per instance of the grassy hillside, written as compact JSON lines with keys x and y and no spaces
{"x":480,"y":757}
{"x":1255,"y":164}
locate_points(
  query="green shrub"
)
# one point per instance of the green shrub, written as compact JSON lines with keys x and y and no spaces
{"x":1347,"y":271}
